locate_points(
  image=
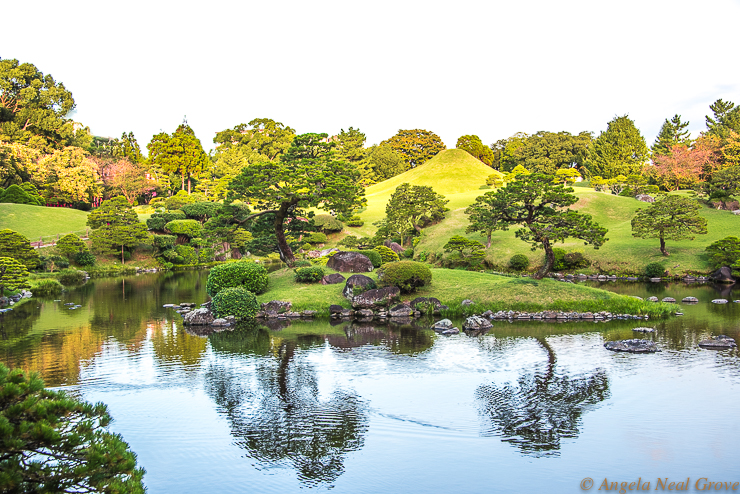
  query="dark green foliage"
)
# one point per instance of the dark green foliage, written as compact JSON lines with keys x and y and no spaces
{"x":411,"y":207}
{"x":116,"y":226}
{"x":53,"y":443}
{"x":725,"y":119}
{"x":386,"y":254}
{"x":187,"y":228}
{"x":180,"y":153}
{"x":303,"y":264}
{"x":654,"y":270}
{"x":327,"y":223}
{"x":70,"y":245}
{"x":187,"y":253}
{"x":13,"y":277}
{"x":262,"y":246}
{"x":406,"y":275}
{"x":158,"y":220}
{"x":670,"y":218}
{"x":16,"y":194}
{"x":309,"y":275}
{"x":53,"y":262}
{"x":473,"y":145}
{"x":164,"y":242}
{"x":316,"y":238}
{"x":15,"y":245}
{"x":374,"y":257}
{"x":84,"y":258}
{"x":519,"y":262}
{"x":575,"y":260}
{"x":265,"y":136}
{"x":353,"y":242}
{"x":725,"y":252}
{"x":546,"y":152}
{"x":126,"y":255}
{"x":201,"y":211}
{"x":671,"y":133}
{"x":235,"y":301}
{"x":384,"y":163}
{"x":464,"y":252}
{"x":619,"y":150}
{"x":247,"y":274}
{"x":408,"y":253}
{"x":724,"y":183}
{"x":71,"y":277}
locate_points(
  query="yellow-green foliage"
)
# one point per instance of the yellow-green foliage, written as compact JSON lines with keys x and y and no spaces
{"x":386,"y":254}
{"x":406,"y":275}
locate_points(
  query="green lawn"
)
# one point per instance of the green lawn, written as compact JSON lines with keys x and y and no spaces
{"x":38,"y":221}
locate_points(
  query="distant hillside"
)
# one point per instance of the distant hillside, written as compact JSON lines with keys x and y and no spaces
{"x":37,"y":221}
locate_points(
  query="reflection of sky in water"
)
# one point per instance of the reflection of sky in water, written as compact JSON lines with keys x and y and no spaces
{"x":199,"y":411}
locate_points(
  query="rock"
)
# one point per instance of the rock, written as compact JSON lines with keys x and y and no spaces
{"x":396,"y":248}
{"x":350,"y":262}
{"x":166,"y":306}
{"x":187,"y":304}
{"x":335,"y":309}
{"x":720,"y":342}
{"x":426,"y":305}
{"x":198,"y":317}
{"x":690,"y":300}
{"x":332,"y":279}
{"x":632,"y":346}
{"x":652,"y":299}
{"x":220,"y":322}
{"x":401,"y":310}
{"x":719,"y":301}
{"x":645,"y":198}
{"x":378,"y":297}
{"x":364,"y":313}
{"x":347,"y":313}
{"x":722,"y":275}
{"x":644,"y":330}
{"x":277,"y":306}
{"x":656,"y":280}
{"x":442,"y":325}
{"x":356,"y":284}
{"x":466,"y":302}
{"x":669,"y":300}
{"x":476,"y":323}
{"x":326,"y":252}
{"x":449,"y":332}
{"x":308,"y":313}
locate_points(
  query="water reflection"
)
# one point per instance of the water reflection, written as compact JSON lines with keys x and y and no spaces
{"x":275,"y":409}
{"x":542,"y":408}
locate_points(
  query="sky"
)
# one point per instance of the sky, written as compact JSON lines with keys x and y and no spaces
{"x":488,"y":68}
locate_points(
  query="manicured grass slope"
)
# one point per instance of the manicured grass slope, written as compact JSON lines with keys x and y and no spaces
{"x":37,"y":221}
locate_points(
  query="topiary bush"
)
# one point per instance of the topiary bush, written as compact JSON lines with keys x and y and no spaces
{"x":201,"y":211}
{"x":654,"y":270}
{"x":235,"y":301}
{"x":355,"y":221}
{"x":85,"y":258}
{"x":187,"y":228}
{"x":309,"y":275}
{"x":519,"y":262}
{"x":70,"y":244}
{"x":188,"y":254}
{"x":316,"y":238}
{"x":559,"y":255}
{"x":164,"y":242}
{"x":247,"y":274}
{"x":386,"y":253}
{"x":327,"y":223}
{"x":179,"y":200}
{"x":374,"y":257}
{"x":157,"y":221}
{"x":406,"y":275}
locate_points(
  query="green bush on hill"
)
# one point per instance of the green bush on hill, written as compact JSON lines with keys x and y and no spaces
{"x":157,"y":221}
{"x":247,"y":274}
{"x":70,"y":245}
{"x":373,"y":255}
{"x":15,"y":245}
{"x":186,"y":228}
{"x":309,"y":274}
{"x":16,"y":194}
{"x":386,"y":253}
{"x":725,"y":252}
{"x":654,"y":270}
{"x":327,"y":223}
{"x":519,"y":262}
{"x":406,"y":275}
{"x":235,"y":301}
{"x":316,"y":238}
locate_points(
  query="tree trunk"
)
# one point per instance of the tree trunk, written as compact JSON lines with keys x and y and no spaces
{"x":286,"y":254}
{"x":188,"y":184}
{"x":662,"y":245}
{"x":488,"y":241}
{"x":549,"y":261}
{"x":182,"y":182}
{"x":122,"y":260}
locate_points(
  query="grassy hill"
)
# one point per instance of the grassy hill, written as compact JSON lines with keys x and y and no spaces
{"x":38,"y":221}
{"x":453,"y":173}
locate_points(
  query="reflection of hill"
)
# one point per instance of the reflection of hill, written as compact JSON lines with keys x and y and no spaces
{"x":280,"y":419}
{"x":542,"y":409}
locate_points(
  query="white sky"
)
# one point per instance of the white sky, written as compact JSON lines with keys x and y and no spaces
{"x":454,"y":67}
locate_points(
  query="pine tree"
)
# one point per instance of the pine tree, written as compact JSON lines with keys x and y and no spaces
{"x":671,"y":133}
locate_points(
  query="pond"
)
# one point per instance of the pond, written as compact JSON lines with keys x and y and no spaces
{"x":361,"y":408}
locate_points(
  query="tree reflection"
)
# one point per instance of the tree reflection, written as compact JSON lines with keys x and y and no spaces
{"x":276,"y":412}
{"x":543,"y":408}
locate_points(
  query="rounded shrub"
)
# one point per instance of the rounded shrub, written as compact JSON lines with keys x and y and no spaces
{"x":309,"y":275}
{"x":559,"y":255}
{"x":374,"y":257}
{"x":246,"y":274}
{"x":406,"y":275}
{"x":654,"y":270}
{"x":316,"y":238}
{"x":328,"y":223}
{"x":408,"y":253}
{"x":386,"y":254}
{"x":157,"y":221}
{"x":84,"y":258}
{"x":306,"y":247}
{"x":355,"y":221}
{"x":188,"y":253}
{"x":519,"y":262}
{"x":71,"y":244}
{"x":235,"y":301}
{"x":188,"y":228}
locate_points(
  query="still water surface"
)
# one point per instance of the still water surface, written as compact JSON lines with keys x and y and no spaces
{"x":357,"y":408}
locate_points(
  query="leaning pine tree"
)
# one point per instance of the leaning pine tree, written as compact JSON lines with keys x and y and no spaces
{"x":307,"y":175}
{"x":536,"y":203}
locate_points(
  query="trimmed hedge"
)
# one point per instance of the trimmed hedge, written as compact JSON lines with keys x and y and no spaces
{"x":654,"y":270}
{"x":309,"y":275}
{"x":406,"y":275}
{"x":85,"y":258}
{"x":386,"y":253}
{"x":158,"y":220}
{"x":71,"y":244}
{"x":247,"y":274}
{"x":188,"y":228}
{"x":519,"y":262}
{"x":235,"y":301}
{"x":328,"y":223}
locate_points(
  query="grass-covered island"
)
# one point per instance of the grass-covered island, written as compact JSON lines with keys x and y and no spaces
{"x":487,"y":291}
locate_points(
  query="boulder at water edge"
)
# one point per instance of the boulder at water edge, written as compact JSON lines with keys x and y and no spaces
{"x":722,"y":275}
{"x":350,"y":262}
{"x":720,"y":342}
{"x":356,"y":284}
{"x":379,"y":297}
{"x":632,"y":346}
{"x":277,"y":306}
{"x":476,"y":323}
{"x":198,"y":317}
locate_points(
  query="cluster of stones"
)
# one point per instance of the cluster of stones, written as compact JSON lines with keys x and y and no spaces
{"x":721,"y":342}
{"x":279,"y":309}
{"x":201,"y":316}
{"x":13,"y":299}
{"x":603,"y":277}
{"x":550,"y":315}
{"x":687,"y":300}
{"x":72,"y":306}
